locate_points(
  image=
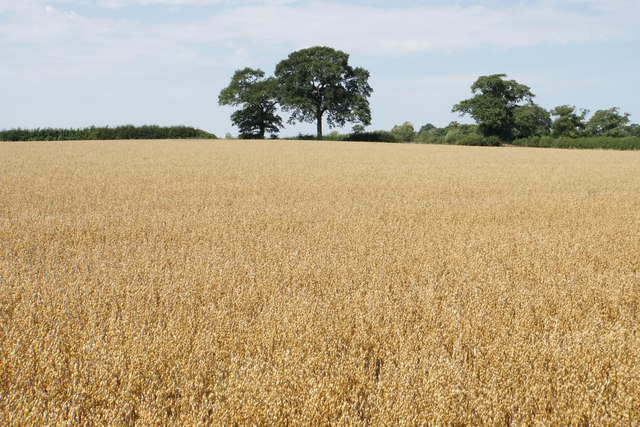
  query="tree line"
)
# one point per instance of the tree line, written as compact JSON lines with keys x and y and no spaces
{"x":504,"y":109}
{"x":319,"y":81}
{"x":104,"y":133}
{"x":468,"y":134}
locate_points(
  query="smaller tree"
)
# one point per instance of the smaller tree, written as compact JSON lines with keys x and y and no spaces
{"x":404,"y":132}
{"x":494,"y":103}
{"x":455,"y":131}
{"x":431,"y":130}
{"x":531,"y":120}
{"x":608,"y":123}
{"x":357,"y":129}
{"x":258,"y":97}
{"x":567,"y":122}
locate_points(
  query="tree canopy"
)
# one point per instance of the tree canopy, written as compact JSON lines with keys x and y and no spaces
{"x":258,"y":97}
{"x":608,"y":123}
{"x":319,"y":81}
{"x":404,"y":132}
{"x":531,"y":120}
{"x":567,"y":122}
{"x":494,"y":105}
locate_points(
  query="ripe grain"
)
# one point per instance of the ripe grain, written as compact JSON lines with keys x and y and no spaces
{"x":307,"y":283}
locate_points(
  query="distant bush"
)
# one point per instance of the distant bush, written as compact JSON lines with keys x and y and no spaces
{"x":603,"y":142}
{"x":375,"y":136}
{"x":335,"y":136}
{"x":546,"y":142}
{"x":404,"y":132}
{"x":479,"y":140}
{"x":252,"y":136}
{"x":425,"y":138}
{"x":94,"y":133}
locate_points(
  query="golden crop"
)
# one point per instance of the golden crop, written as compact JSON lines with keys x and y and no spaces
{"x":313,"y":283}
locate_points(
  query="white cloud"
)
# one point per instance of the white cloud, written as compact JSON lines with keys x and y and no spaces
{"x":358,"y":29}
{"x":398,"y":31}
{"x":116,"y":4}
{"x":50,"y":33}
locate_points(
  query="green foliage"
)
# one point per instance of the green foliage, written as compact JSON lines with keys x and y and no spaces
{"x":431,"y":134}
{"x":493,"y":141}
{"x":479,"y":140}
{"x":567,"y":122}
{"x":455,"y":131}
{"x":375,"y":136}
{"x":404,"y":132}
{"x":531,"y":120}
{"x":601,"y":142}
{"x":258,"y":97}
{"x":254,"y":122}
{"x":106,"y":133}
{"x":358,"y":128}
{"x":450,"y":134}
{"x":428,"y":129}
{"x":463,"y":129}
{"x":608,"y":123}
{"x":319,"y":81}
{"x":494,"y":104}
{"x":305,"y":137}
{"x":425,"y":138}
{"x":335,"y":136}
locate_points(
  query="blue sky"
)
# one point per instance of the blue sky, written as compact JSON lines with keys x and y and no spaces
{"x":77,"y":63}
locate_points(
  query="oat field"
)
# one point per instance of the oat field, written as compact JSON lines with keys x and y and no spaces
{"x":318,"y":283}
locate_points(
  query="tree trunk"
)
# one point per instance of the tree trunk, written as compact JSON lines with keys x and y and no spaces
{"x":319,"y":125}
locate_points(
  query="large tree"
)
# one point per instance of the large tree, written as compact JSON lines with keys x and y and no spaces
{"x":319,"y":81}
{"x":494,"y":105}
{"x":258,"y":97}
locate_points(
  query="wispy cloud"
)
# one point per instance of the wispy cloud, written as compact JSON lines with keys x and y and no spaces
{"x":128,"y":3}
{"x":363,"y":29}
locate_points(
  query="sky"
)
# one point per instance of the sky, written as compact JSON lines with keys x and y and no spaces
{"x":78,"y":63}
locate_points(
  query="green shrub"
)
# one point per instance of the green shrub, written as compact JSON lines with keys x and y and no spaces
{"x":404,"y":132}
{"x":425,"y":138}
{"x":93,"y":133}
{"x":375,"y":136}
{"x":493,"y":141}
{"x":479,"y":140}
{"x":335,"y":136}
{"x":600,"y":142}
{"x":306,"y":136}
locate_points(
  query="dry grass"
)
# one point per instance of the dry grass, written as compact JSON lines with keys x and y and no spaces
{"x":225,"y":282}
